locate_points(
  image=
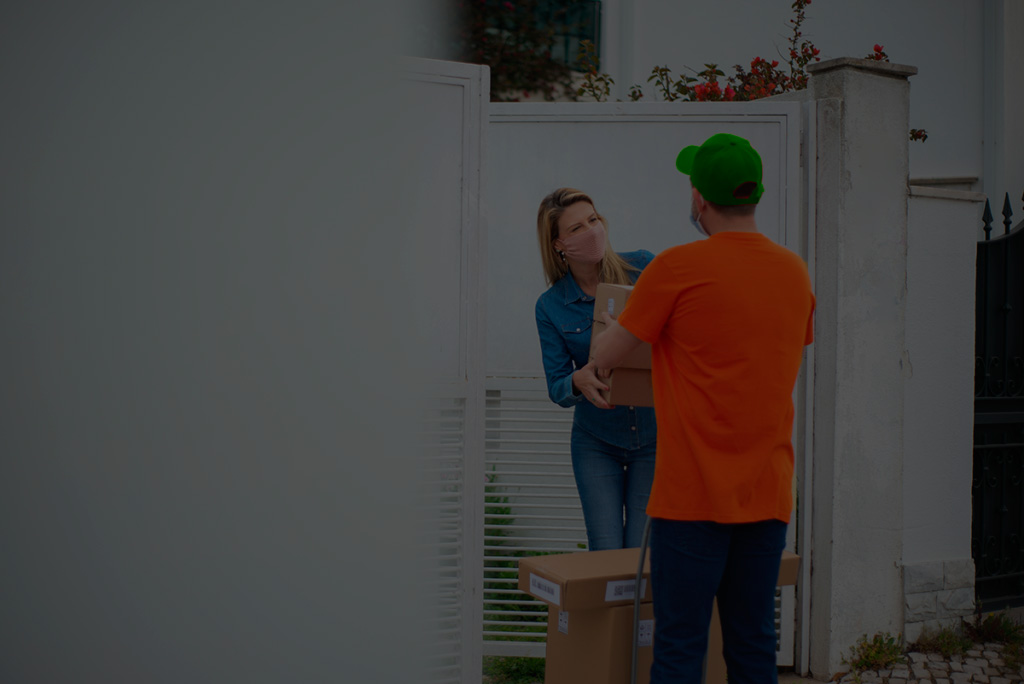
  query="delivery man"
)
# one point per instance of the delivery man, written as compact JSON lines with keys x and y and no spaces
{"x":727,"y":318}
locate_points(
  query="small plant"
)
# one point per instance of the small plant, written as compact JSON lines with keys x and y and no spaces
{"x":504,"y":670}
{"x":595,"y":84}
{"x":947,"y":641}
{"x":995,"y":627}
{"x":878,"y":54}
{"x":999,"y":628}
{"x":880,"y":653}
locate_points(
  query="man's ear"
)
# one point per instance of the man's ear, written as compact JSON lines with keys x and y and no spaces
{"x":698,"y":200}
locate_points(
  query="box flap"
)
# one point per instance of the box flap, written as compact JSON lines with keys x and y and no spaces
{"x":584,"y":580}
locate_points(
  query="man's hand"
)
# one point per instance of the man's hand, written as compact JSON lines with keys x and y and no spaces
{"x":586,"y":381}
{"x":612,"y":345}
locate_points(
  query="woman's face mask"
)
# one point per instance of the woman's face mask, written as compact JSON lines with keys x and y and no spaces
{"x":582,"y":234}
{"x":586,"y":245}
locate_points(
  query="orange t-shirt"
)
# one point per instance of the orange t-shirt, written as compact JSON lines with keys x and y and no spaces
{"x":727,"y":318}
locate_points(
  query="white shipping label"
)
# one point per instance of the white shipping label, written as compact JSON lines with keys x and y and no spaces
{"x":620,"y":590}
{"x":545,"y":589}
{"x":646,"y":634}
{"x":563,"y":621}
{"x":611,"y":305}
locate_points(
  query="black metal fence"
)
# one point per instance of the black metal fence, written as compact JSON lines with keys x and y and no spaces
{"x":997,"y":533}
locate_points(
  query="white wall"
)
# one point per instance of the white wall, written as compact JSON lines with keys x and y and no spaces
{"x":1004,"y":103}
{"x":939,"y":394}
{"x":947,"y":47}
{"x":205,"y":345}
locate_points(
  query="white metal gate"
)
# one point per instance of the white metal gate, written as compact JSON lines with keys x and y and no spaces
{"x":447,"y":148}
{"x":497,"y":478}
{"x":623,"y":156}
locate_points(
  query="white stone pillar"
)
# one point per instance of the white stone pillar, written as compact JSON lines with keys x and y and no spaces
{"x":860,"y":370}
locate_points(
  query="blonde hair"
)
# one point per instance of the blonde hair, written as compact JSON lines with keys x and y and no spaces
{"x":614,"y":269}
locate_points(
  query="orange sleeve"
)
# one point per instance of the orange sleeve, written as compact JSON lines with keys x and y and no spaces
{"x":651,"y":303}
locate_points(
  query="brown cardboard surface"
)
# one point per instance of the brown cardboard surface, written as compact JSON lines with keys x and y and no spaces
{"x":612,"y":298}
{"x":589,"y":647}
{"x":789,"y":569}
{"x":629,"y":387}
{"x":596,"y":646}
{"x":585,"y":580}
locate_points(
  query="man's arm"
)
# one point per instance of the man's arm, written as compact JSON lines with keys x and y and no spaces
{"x":612,"y":345}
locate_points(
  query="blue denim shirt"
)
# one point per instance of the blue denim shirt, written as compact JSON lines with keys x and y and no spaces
{"x":564,"y":317}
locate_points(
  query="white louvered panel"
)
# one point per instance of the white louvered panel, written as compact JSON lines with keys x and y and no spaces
{"x":441,"y":508}
{"x":785,"y":626}
{"x":531,"y":507}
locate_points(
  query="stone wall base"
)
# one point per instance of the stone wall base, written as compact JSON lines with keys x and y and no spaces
{"x":937,"y":594}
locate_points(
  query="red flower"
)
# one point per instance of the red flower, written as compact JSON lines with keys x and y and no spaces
{"x":878,"y":48}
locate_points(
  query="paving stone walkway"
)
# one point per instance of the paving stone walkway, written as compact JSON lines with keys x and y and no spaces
{"x":983,"y":664}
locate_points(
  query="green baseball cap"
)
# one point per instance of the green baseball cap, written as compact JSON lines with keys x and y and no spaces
{"x":725,"y":169}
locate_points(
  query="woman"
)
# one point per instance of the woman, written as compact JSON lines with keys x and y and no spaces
{"x":612,"y":448}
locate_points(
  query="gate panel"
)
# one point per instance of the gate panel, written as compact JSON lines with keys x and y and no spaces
{"x":623,"y":155}
{"x":998,"y":483}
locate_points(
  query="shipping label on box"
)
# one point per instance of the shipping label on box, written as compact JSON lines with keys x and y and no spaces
{"x":545,"y":589}
{"x":616,"y":590}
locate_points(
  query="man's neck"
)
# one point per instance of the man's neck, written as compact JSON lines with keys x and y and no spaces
{"x":741,"y":224}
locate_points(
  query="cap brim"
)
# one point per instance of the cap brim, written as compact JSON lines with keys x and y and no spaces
{"x":684,"y":162}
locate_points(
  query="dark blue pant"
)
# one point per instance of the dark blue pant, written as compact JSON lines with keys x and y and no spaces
{"x":691,"y":563}
{"x":613,"y":484}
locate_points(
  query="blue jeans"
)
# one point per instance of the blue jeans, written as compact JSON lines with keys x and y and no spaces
{"x":613,"y":484}
{"x":691,"y":563}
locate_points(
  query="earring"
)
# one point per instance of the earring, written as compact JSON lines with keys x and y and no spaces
{"x":562,"y":254}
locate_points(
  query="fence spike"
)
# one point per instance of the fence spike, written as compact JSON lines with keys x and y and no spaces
{"x":1007,"y":213}
{"x":987,"y":218}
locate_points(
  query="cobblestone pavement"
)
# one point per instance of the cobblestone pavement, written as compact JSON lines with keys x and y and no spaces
{"x":983,"y":664}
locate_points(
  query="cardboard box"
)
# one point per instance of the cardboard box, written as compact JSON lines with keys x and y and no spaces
{"x":612,"y":298}
{"x":585,"y":643}
{"x":585,"y":580}
{"x":629,"y":387}
{"x":630,"y":384}
{"x":596,"y":646}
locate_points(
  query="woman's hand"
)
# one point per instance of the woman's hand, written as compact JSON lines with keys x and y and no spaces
{"x":586,"y":382}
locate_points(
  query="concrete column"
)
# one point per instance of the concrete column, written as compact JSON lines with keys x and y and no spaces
{"x":860,"y":370}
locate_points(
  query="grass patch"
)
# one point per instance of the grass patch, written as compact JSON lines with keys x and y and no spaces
{"x":947,"y":641}
{"x":505,"y":670}
{"x":881,"y":652}
{"x":1000,"y":629}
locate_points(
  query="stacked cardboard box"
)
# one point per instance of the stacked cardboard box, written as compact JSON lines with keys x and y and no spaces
{"x":590,"y":616}
{"x":630,"y":383}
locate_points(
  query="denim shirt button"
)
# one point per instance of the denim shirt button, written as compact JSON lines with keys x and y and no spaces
{"x":633,"y":428}
{"x":577,"y":329}
{"x":632,"y":408}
